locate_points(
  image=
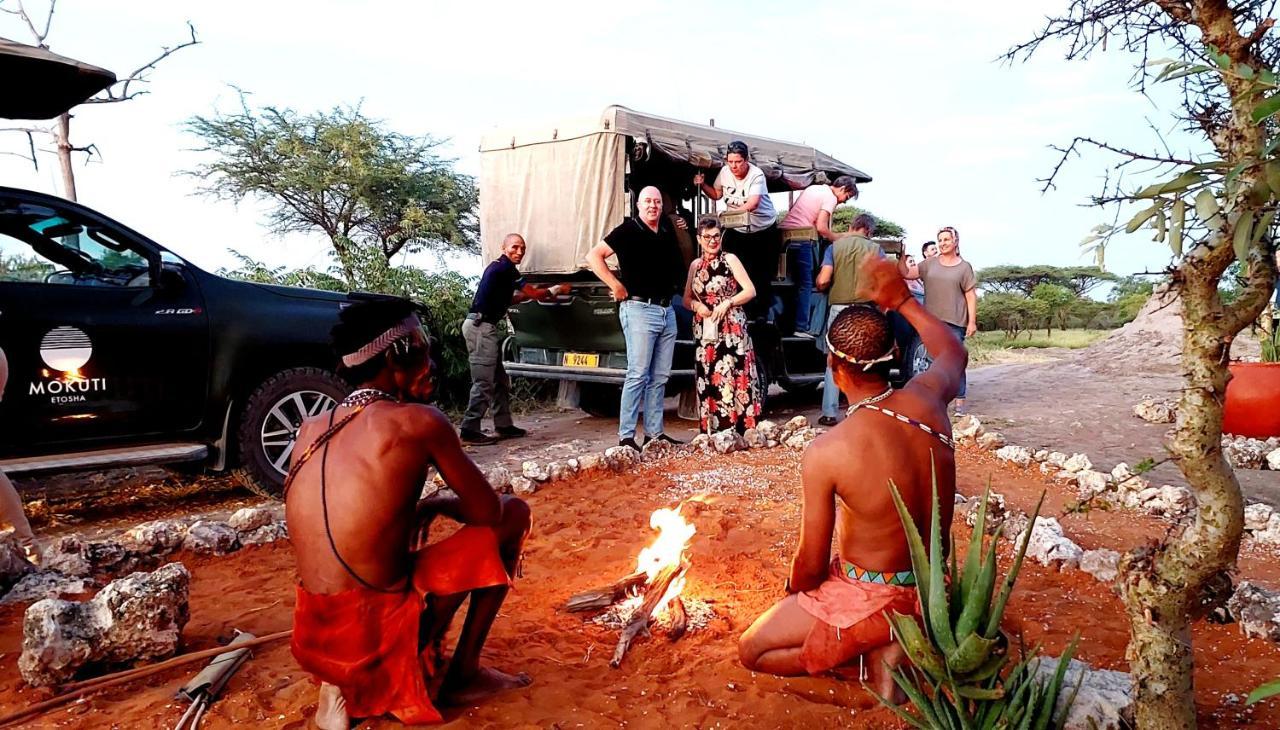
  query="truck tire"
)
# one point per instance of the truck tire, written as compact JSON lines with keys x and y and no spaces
{"x":600,"y":399}
{"x":763,"y":380}
{"x":269,"y":424}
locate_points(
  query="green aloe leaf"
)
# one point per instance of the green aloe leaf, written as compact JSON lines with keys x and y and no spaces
{"x":939,"y":612}
{"x":997,"y":610}
{"x":973,"y":652}
{"x":915,"y":545}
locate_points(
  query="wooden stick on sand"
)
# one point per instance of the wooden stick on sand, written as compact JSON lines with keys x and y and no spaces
{"x":641,"y":617}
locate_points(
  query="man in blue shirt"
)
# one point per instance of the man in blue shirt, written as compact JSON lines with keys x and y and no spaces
{"x":500,"y":286}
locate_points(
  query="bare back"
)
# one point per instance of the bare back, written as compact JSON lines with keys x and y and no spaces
{"x":852,"y":465}
{"x":374,"y":471}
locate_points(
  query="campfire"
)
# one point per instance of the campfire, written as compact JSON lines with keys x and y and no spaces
{"x":654,"y":588}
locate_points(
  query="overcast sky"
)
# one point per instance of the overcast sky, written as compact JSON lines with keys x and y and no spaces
{"x":909,"y":92}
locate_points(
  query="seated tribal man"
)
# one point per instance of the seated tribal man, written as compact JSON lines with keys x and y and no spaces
{"x":834,"y":612}
{"x":373,"y":604}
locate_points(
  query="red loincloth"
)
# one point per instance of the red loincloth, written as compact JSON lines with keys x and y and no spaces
{"x":851,"y":618}
{"x":366,"y":642}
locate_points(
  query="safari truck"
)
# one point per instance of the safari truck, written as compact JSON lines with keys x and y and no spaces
{"x":564,"y":186}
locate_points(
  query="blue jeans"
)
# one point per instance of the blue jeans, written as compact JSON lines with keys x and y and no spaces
{"x":650,"y":331}
{"x":964,"y":379}
{"x":830,"y":393}
{"x":804,"y":253}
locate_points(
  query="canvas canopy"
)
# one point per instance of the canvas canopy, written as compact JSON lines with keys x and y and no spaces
{"x":562,"y":185}
{"x":40,"y":84}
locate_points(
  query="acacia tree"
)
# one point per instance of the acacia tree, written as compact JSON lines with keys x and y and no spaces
{"x":1212,"y":204}
{"x":1025,"y":279}
{"x":371,"y":191}
{"x":129,"y":87}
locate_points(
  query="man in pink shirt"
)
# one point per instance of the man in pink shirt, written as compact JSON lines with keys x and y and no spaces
{"x":813,"y":209}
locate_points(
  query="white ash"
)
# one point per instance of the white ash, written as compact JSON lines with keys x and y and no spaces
{"x":736,"y":480}
{"x":619,"y":614}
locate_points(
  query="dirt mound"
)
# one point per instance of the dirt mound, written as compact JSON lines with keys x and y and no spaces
{"x":1152,"y":342}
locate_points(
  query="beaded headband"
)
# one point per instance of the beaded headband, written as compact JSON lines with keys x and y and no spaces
{"x":406,"y":326}
{"x":866,"y":364}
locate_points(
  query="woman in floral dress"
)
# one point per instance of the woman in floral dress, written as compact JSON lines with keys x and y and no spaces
{"x":717,"y":287}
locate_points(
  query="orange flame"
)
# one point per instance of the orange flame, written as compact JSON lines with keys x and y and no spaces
{"x":666,"y":549}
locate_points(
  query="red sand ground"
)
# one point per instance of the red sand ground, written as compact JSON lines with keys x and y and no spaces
{"x":587,"y":532}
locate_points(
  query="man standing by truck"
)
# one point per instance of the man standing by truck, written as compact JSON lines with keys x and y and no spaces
{"x":649,"y":274}
{"x":839,"y":273}
{"x":500,"y":287}
{"x":812,"y":211}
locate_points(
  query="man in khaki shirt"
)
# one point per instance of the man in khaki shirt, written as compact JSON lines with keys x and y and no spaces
{"x":839,"y":273}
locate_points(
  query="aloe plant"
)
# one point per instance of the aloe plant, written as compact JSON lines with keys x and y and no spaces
{"x":960,"y":655}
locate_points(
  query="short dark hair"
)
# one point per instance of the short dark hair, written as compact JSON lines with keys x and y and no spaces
{"x":861,"y":332}
{"x":737,"y":147}
{"x":707,"y":223}
{"x":866,"y":222}
{"x":926,"y":246}
{"x":848,"y":183}
{"x":362,"y":322}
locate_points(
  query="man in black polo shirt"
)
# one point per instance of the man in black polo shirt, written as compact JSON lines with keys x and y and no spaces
{"x":500,"y":287}
{"x":650,"y":272}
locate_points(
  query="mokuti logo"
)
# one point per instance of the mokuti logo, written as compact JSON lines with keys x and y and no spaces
{"x":66,"y":349}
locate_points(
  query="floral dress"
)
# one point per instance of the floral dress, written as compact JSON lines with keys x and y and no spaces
{"x":728,"y":394}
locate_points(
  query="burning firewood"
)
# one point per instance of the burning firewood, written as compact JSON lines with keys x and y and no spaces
{"x":655,"y":596}
{"x":679,"y":619}
{"x":607,"y":596}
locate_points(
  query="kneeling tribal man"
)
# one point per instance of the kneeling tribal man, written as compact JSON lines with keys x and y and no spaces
{"x":373,"y":604}
{"x":835,"y":610}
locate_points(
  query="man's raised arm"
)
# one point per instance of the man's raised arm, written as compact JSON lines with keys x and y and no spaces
{"x":880,"y":281}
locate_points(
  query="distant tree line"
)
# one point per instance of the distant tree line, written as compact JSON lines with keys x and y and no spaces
{"x":1019,"y":299}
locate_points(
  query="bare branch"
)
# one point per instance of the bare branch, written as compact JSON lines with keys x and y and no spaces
{"x":139,"y":74}
{"x":21,"y":12}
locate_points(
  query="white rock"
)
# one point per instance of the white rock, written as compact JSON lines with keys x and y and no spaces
{"x":573,"y":465}
{"x":701,"y":442}
{"x":1091,"y":482}
{"x":533,"y":470}
{"x":1101,"y":564}
{"x":991,"y":440}
{"x":524,"y":486}
{"x":158,"y":537}
{"x":1171,"y":501}
{"x":1014,"y":454}
{"x":1121,"y":472}
{"x":1077,"y":462}
{"x":1244,"y":453}
{"x":1256,"y":516}
{"x":801,"y":439}
{"x":966,"y":428}
{"x":768,"y":429}
{"x":249,"y":519}
{"x":656,"y":449}
{"x":589,"y":461}
{"x":1049,"y":546}
{"x":1056,"y":458}
{"x":619,"y":458}
{"x":268,"y":533}
{"x":1047,"y":468}
{"x":557,"y":470}
{"x":1153,"y":411}
{"x":1257,"y":610}
{"x":1041,"y":455}
{"x":726,"y":441}
{"x":754,"y":439}
{"x":797,"y":422}
{"x":70,"y":555}
{"x":1105,"y":699}
{"x":499,"y":478}
{"x":1273,"y":460}
{"x":46,"y":584}
{"x":136,"y":618}
{"x":210,"y":537}
{"x":1065,"y":477}
{"x":1271,"y":533}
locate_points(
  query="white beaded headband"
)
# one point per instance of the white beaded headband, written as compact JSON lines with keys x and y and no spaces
{"x":866,"y":364}
{"x":407,"y":326}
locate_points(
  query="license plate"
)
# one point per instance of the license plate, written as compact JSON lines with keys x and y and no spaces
{"x":581,"y":360}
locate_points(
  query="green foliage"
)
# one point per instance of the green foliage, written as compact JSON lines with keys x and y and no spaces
{"x":1129,"y":285}
{"x":24,"y":268}
{"x":845,"y":214}
{"x":959,"y":677}
{"x":1012,"y":313}
{"x":1079,"y":279}
{"x":342,"y":174}
{"x":1264,"y":691}
{"x":1057,"y":301}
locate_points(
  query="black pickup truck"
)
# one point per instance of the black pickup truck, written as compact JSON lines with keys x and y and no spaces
{"x":122,"y":353}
